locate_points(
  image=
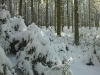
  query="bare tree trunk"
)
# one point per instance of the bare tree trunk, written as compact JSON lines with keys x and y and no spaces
{"x":97,"y":19}
{"x":72,"y":18}
{"x":38,"y":14}
{"x":89,"y":14}
{"x":20,"y":8}
{"x":55,"y":22}
{"x":25,"y":16}
{"x":68,"y":15}
{"x":32,"y":17}
{"x":46,"y":13}
{"x":76,"y":34}
{"x":59,"y":18}
{"x":62,"y":14}
{"x":10,"y":5}
{"x":3,"y":1}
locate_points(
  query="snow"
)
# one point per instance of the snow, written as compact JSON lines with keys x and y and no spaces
{"x":81,"y":54}
{"x":40,"y":68}
{"x":13,"y":59}
{"x":17,"y":23}
{"x":28,"y":67}
{"x":43,"y":52}
{"x":4,"y":14}
{"x":79,"y":68}
{"x":77,"y":57}
{"x":5,"y":61}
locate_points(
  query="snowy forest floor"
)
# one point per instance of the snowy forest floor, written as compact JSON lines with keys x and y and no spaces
{"x":77,"y":55}
{"x":79,"y":68}
{"x":76,"y":64}
{"x":41,"y":52}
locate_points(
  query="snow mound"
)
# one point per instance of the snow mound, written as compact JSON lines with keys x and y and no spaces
{"x":40,"y":52}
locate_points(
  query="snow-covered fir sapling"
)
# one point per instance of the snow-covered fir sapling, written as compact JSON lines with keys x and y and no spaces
{"x":93,"y":54}
{"x":36,"y":55}
{"x":6,"y":67}
{"x":15,"y":34}
{"x":4,"y":23}
{"x":62,"y":69}
{"x":39,"y":55}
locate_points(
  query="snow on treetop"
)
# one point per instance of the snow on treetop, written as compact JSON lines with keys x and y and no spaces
{"x":4,"y":14}
{"x":17,"y":24}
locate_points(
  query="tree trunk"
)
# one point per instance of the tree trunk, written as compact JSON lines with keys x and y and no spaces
{"x":97,"y":19}
{"x":20,"y":8}
{"x":76,"y":34}
{"x":62,"y":15}
{"x":10,"y":7}
{"x":3,"y":2}
{"x":32,"y":17}
{"x":55,"y":22}
{"x":46,"y":13}
{"x":38,"y":14}
{"x":89,"y":14}
{"x":25,"y":16}
{"x":58,"y":18}
{"x":72,"y":18}
{"x":68,"y":15}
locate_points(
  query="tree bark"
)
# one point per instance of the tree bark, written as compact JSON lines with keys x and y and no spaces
{"x":46,"y":13}
{"x":89,"y":15}
{"x":58,"y":18}
{"x":68,"y":15}
{"x":38,"y":14}
{"x":20,"y":8}
{"x":55,"y":17}
{"x":32,"y":17}
{"x":76,"y":34}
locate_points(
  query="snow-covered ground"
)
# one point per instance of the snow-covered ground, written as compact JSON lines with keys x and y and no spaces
{"x":76,"y":55}
{"x":79,"y":68}
{"x":76,"y":63}
{"x":39,"y":51}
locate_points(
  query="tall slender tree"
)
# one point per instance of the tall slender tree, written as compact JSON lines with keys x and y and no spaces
{"x":32,"y":16}
{"x":20,"y":8}
{"x":62,"y":14}
{"x":38,"y":13}
{"x":72,"y":16}
{"x":2,"y":1}
{"x":96,"y":19}
{"x":89,"y":14}
{"x":76,"y":20}
{"x":10,"y":7}
{"x":59,"y":17}
{"x":25,"y":16}
{"x":55,"y":17}
{"x":68,"y":15}
{"x":46,"y":13}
